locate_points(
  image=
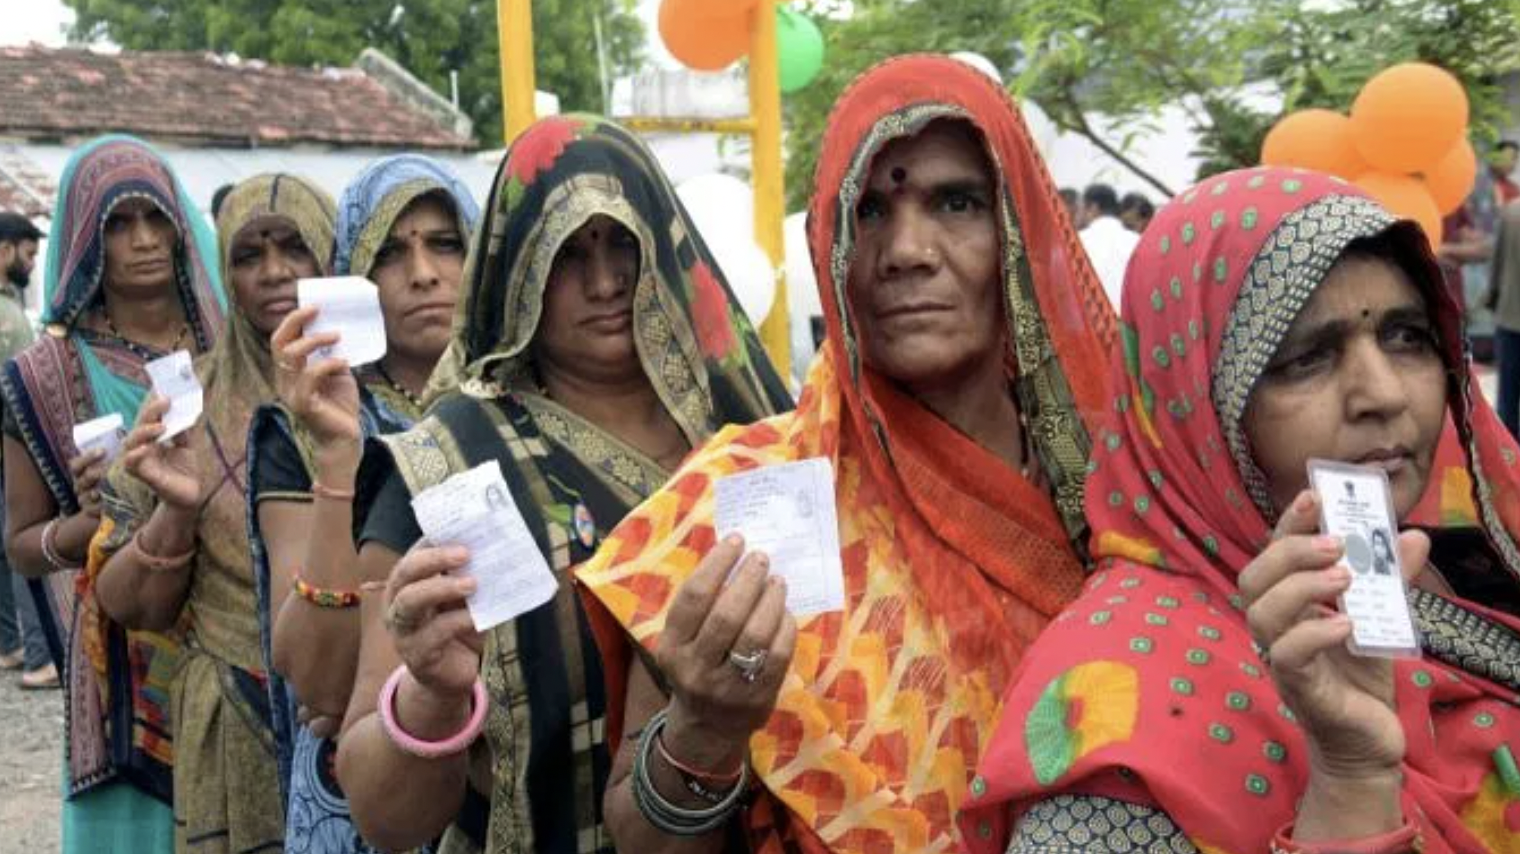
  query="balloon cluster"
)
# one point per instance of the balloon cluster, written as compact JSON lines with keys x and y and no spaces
{"x":1405,"y":143}
{"x":710,"y":35}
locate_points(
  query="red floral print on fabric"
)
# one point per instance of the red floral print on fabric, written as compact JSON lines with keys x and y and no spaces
{"x":535,"y":153}
{"x":715,"y":328}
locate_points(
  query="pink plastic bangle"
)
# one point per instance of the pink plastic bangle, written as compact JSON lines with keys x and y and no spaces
{"x":415,"y":746}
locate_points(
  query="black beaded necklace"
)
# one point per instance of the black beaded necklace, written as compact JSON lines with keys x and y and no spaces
{"x":414,"y":400}
{"x":137,"y":349}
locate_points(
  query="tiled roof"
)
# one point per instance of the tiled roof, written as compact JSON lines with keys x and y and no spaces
{"x":24,"y":188}
{"x":203,"y":99}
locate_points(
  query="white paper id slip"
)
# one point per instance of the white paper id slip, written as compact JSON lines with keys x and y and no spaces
{"x":174,"y":378}
{"x":349,"y":306}
{"x":104,"y":433}
{"x":1356,"y":505}
{"x":787,"y":511}
{"x":474,"y":509}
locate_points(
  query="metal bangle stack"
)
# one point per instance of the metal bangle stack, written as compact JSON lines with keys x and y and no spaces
{"x":666,"y":816}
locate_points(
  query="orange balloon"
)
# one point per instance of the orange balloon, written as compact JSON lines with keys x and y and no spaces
{"x":1314,"y":139}
{"x":706,"y":35}
{"x":1406,"y":197}
{"x":1408,"y":117}
{"x":1452,"y":179}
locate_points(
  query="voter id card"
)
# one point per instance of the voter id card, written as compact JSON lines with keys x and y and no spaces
{"x":1356,"y":505}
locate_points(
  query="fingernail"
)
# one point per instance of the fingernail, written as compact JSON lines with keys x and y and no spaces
{"x":1328,"y":543}
{"x":1338,"y":575}
{"x":778,"y":582}
{"x":1305,"y":502}
{"x":733,"y":541}
{"x":458,"y":554}
{"x":763,"y":561}
{"x":466,"y":586}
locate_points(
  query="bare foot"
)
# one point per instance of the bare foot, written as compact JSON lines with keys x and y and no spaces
{"x":42,"y":679}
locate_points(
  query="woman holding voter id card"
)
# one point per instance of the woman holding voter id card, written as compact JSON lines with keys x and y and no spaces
{"x":1205,"y":693}
{"x":173,"y":549}
{"x":130,"y":277}
{"x":948,"y":412}
{"x":404,"y":223}
{"x":596,"y":343}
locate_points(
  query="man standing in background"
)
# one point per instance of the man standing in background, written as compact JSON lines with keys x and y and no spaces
{"x":21,"y":641}
{"x":1501,"y":164}
{"x":1108,"y":243}
{"x":1135,"y":211}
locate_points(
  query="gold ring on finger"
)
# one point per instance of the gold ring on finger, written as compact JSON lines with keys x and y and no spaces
{"x":748,"y":664}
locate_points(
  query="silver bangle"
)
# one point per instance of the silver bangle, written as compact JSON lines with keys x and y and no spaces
{"x":671,"y":818}
{"x":49,"y":553}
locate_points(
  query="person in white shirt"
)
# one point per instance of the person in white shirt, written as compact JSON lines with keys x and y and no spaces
{"x":1107,"y":241}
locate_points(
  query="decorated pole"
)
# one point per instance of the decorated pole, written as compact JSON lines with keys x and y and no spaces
{"x":766,"y":171}
{"x":514,"y":32}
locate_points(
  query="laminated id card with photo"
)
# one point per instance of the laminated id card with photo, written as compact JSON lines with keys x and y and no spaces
{"x":1356,"y":505}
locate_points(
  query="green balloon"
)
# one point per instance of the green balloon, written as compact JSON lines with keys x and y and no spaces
{"x":799,"y":46}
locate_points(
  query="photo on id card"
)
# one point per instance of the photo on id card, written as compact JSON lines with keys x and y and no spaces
{"x":1356,"y":505}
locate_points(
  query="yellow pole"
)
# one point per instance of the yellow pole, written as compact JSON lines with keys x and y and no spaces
{"x":514,"y":33}
{"x":765,"y":158}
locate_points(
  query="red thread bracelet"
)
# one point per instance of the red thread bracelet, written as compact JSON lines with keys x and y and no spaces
{"x":1400,"y":841}
{"x":713,"y":777}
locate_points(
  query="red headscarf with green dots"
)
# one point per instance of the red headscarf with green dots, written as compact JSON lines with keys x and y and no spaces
{"x":1147,"y":689}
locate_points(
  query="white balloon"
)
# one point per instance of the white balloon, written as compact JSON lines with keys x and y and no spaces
{"x":750,"y":274}
{"x":801,"y":281}
{"x":723,"y":209}
{"x":721,"y":205}
{"x":801,"y":294}
{"x":980,"y":63}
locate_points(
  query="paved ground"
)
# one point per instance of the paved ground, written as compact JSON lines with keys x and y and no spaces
{"x":31,"y":760}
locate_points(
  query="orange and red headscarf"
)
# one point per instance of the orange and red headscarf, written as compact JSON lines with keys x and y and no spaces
{"x":953,"y":561}
{"x":1148,"y":689}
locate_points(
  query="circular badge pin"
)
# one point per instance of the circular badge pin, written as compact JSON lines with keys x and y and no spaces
{"x":585,"y":526}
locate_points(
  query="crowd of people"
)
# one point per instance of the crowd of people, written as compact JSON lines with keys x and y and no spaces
{"x":1086,"y":603}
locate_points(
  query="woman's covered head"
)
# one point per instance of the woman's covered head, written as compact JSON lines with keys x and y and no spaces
{"x":587,"y":325}
{"x":405,"y":222}
{"x":1269,"y":316}
{"x":275,"y":229}
{"x":1358,"y":377}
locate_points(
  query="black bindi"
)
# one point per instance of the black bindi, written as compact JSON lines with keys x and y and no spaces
{"x":899,"y":174}
{"x":1366,"y":313}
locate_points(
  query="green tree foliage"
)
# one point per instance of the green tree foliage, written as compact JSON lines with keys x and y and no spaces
{"x":429,"y":37}
{"x":876,"y":30}
{"x":1320,"y":57}
{"x":1124,"y":59}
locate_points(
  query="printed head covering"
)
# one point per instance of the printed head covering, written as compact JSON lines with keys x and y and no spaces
{"x":240,"y":369}
{"x":1148,"y":689}
{"x":953,"y":561}
{"x":1059,"y":319}
{"x":697,"y":346}
{"x":374,"y":199}
{"x":99,"y":175}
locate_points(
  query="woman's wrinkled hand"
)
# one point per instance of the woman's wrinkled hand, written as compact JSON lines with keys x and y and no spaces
{"x":168,"y":468}
{"x":725,"y":650}
{"x":87,"y":471}
{"x":1344,"y":702}
{"x":429,"y":623}
{"x":322,"y":393}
